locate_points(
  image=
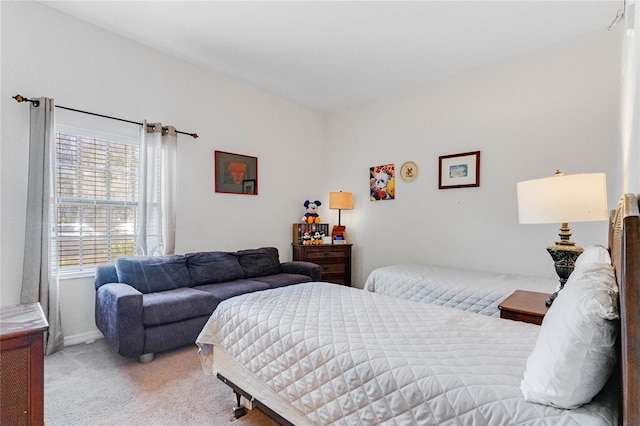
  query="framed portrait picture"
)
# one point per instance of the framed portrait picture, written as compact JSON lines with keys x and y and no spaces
{"x":235,"y":173}
{"x":459,"y":170}
{"x":382,"y":182}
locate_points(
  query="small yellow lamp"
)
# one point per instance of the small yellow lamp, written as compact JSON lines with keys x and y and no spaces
{"x":340,"y":201}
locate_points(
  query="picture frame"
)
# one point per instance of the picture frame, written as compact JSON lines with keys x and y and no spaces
{"x":235,"y":173}
{"x":382,"y":182}
{"x":459,"y":170}
{"x":249,"y":186}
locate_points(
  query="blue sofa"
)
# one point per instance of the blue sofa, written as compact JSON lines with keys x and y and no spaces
{"x":146,"y":305}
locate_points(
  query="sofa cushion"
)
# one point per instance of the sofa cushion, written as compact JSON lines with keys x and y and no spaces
{"x":148,"y":274}
{"x":224,"y":291}
{"x":176,"y":305}
{"x":259,"y":262}
{"x":281,"y":280}
{"x":213,"y":267}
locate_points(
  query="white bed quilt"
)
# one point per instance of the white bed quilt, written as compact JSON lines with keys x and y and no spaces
{"x":344,"y":356}
{"x":467,"y":290}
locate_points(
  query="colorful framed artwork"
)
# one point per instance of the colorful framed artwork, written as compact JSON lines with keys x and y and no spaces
{"x":409,"y":171}
{"x":235,"y":173}
{"x":459,"y":170}
{"x":382,"y":185}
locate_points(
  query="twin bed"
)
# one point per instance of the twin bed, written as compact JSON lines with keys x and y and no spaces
{"x":320,"y":353}
{"x":467,"y":290}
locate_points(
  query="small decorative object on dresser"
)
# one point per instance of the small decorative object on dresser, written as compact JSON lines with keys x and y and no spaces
{"x":527,"y":306}
{"x":311,"y":212}
{"x":334,"y":261}
{"x":303,"y":233}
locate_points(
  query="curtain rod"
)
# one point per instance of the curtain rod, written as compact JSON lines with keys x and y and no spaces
{"x":36,"y":103}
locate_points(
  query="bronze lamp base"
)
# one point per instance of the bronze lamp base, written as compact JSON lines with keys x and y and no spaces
{"x":564,"y":254}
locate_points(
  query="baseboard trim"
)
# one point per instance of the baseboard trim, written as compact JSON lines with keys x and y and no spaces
{"x":87,"y":337}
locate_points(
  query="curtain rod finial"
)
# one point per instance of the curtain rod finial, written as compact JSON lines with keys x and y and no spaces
{"x":20,"y":98}
{"x":194,"y":135}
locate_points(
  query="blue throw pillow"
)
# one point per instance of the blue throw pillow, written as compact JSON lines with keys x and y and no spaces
{"x":259,"y":262}
{"x":149,"y":274}
{"x":213,"y":267}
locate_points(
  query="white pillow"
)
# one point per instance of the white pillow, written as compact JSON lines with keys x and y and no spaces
{"x":593,"y":254}
{"x":576,"y":349}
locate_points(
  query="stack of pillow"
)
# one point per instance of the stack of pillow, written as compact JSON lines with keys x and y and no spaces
{"x":576,"y":349}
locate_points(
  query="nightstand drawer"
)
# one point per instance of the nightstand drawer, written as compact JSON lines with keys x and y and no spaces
{"x":321,"y":253}
{"x":518,"y":316}
{"x":328,"y":268}
{"x":335,"y":279}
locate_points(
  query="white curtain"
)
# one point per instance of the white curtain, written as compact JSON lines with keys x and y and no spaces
{"x":40,"y":271}
{"x":630,"y":108}
{"x":157,"y":198}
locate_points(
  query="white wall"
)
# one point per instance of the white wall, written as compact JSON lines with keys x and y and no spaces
{"x":554,"y":109}
{"x":46,"y":53}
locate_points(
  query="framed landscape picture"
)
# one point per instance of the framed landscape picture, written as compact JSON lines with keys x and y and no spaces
{"x":235,"y":173}
{"x":459,"y":170}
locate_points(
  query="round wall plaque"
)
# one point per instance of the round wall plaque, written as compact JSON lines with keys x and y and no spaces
{"x":409,"y":171}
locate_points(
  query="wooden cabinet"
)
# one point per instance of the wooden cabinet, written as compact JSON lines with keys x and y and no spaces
{"x":334,"y":260}
{"x":22,"y":330}
{"x":527,"y":306}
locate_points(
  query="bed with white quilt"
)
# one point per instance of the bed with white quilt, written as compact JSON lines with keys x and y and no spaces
{"x":468,"y":290}
{"x":320,"y":353}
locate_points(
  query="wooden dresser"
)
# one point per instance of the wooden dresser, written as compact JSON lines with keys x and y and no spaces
{"x":334,"y":260}
{"x":22,"y":330}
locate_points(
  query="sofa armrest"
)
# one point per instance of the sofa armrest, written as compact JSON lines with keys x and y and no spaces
{"x":119,"y":317}
{"x":105,"y":274}
{"x":303,"y":268}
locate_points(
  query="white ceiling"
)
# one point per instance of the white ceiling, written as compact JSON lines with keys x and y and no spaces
{"x":330,"y":55}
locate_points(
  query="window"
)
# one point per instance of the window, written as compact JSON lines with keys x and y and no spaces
{"x":97,"y":198}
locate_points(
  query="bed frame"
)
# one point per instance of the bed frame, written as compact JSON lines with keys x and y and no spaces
{"x":624,"y":245}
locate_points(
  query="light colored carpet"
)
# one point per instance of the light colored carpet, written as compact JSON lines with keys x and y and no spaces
{"x":90,"y":384}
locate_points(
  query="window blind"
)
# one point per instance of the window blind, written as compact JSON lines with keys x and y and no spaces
{"x":97,"y":195}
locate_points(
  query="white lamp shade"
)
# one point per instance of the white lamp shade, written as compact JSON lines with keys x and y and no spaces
{"x":563,"y":199}
{"x":341,"y":200}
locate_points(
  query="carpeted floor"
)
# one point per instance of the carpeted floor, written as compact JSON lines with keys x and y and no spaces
{"x":90,"y":384}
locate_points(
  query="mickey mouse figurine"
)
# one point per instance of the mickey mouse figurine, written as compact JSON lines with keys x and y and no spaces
{"x":311,"y":216}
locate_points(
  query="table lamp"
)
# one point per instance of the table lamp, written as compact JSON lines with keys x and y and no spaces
{"x":340,"y":201}
{"x":563,"y":199}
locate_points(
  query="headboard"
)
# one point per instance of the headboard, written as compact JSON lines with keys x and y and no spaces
{"x":624,"y":245}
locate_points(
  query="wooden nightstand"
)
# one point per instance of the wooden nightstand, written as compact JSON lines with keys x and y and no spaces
{"x":334,"y":260}
{"x":22,"y":330}
{"x":527,"y":306}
